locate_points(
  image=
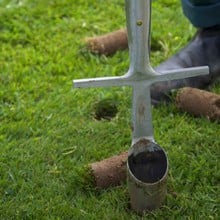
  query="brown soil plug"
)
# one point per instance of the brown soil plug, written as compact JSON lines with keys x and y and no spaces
{"x":110,"y":172}
{"x":199,"y":103}
{"x":109,"y":43}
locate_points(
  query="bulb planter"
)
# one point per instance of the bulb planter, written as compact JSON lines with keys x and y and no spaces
{"x":147,"y":180}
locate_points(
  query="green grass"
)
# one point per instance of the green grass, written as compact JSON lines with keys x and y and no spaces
{"x":48,"y":133}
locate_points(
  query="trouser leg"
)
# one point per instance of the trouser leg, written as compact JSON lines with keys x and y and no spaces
{"x":202,"y":13}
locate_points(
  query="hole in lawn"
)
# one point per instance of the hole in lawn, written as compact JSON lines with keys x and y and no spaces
{"x":155,"y":45}
{"x":106,"y":109}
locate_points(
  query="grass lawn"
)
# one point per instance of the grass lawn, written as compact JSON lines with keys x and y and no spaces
{"x":48,"y":132}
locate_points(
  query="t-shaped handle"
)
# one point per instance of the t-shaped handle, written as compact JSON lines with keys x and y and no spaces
{"x":140,"y":75}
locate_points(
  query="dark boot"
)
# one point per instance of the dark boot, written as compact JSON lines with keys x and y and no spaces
{"x":203,"y":50}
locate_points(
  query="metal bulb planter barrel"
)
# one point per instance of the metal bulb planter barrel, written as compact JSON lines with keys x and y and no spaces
{"x":147,"y":165}
{"x":147,"y":170}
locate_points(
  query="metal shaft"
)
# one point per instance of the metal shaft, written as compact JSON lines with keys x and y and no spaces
{"x":141,"y":113}
{"x":138,"y":28}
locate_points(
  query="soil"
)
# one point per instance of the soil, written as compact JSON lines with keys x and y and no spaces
{"x":199,"y":103}
{"x":110,"y":172}
{"x":148,"y":167}
{"x":106,"y":109}
{"x":109,"y":43}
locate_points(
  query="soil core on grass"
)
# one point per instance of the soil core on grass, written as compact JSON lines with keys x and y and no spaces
{"x":109,"y":43}
{"x":110,"y":171}
{"x":199,"y":103}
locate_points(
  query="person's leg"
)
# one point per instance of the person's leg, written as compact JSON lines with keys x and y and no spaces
{"x":203,"y":50}
{"x":202,"y":13}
